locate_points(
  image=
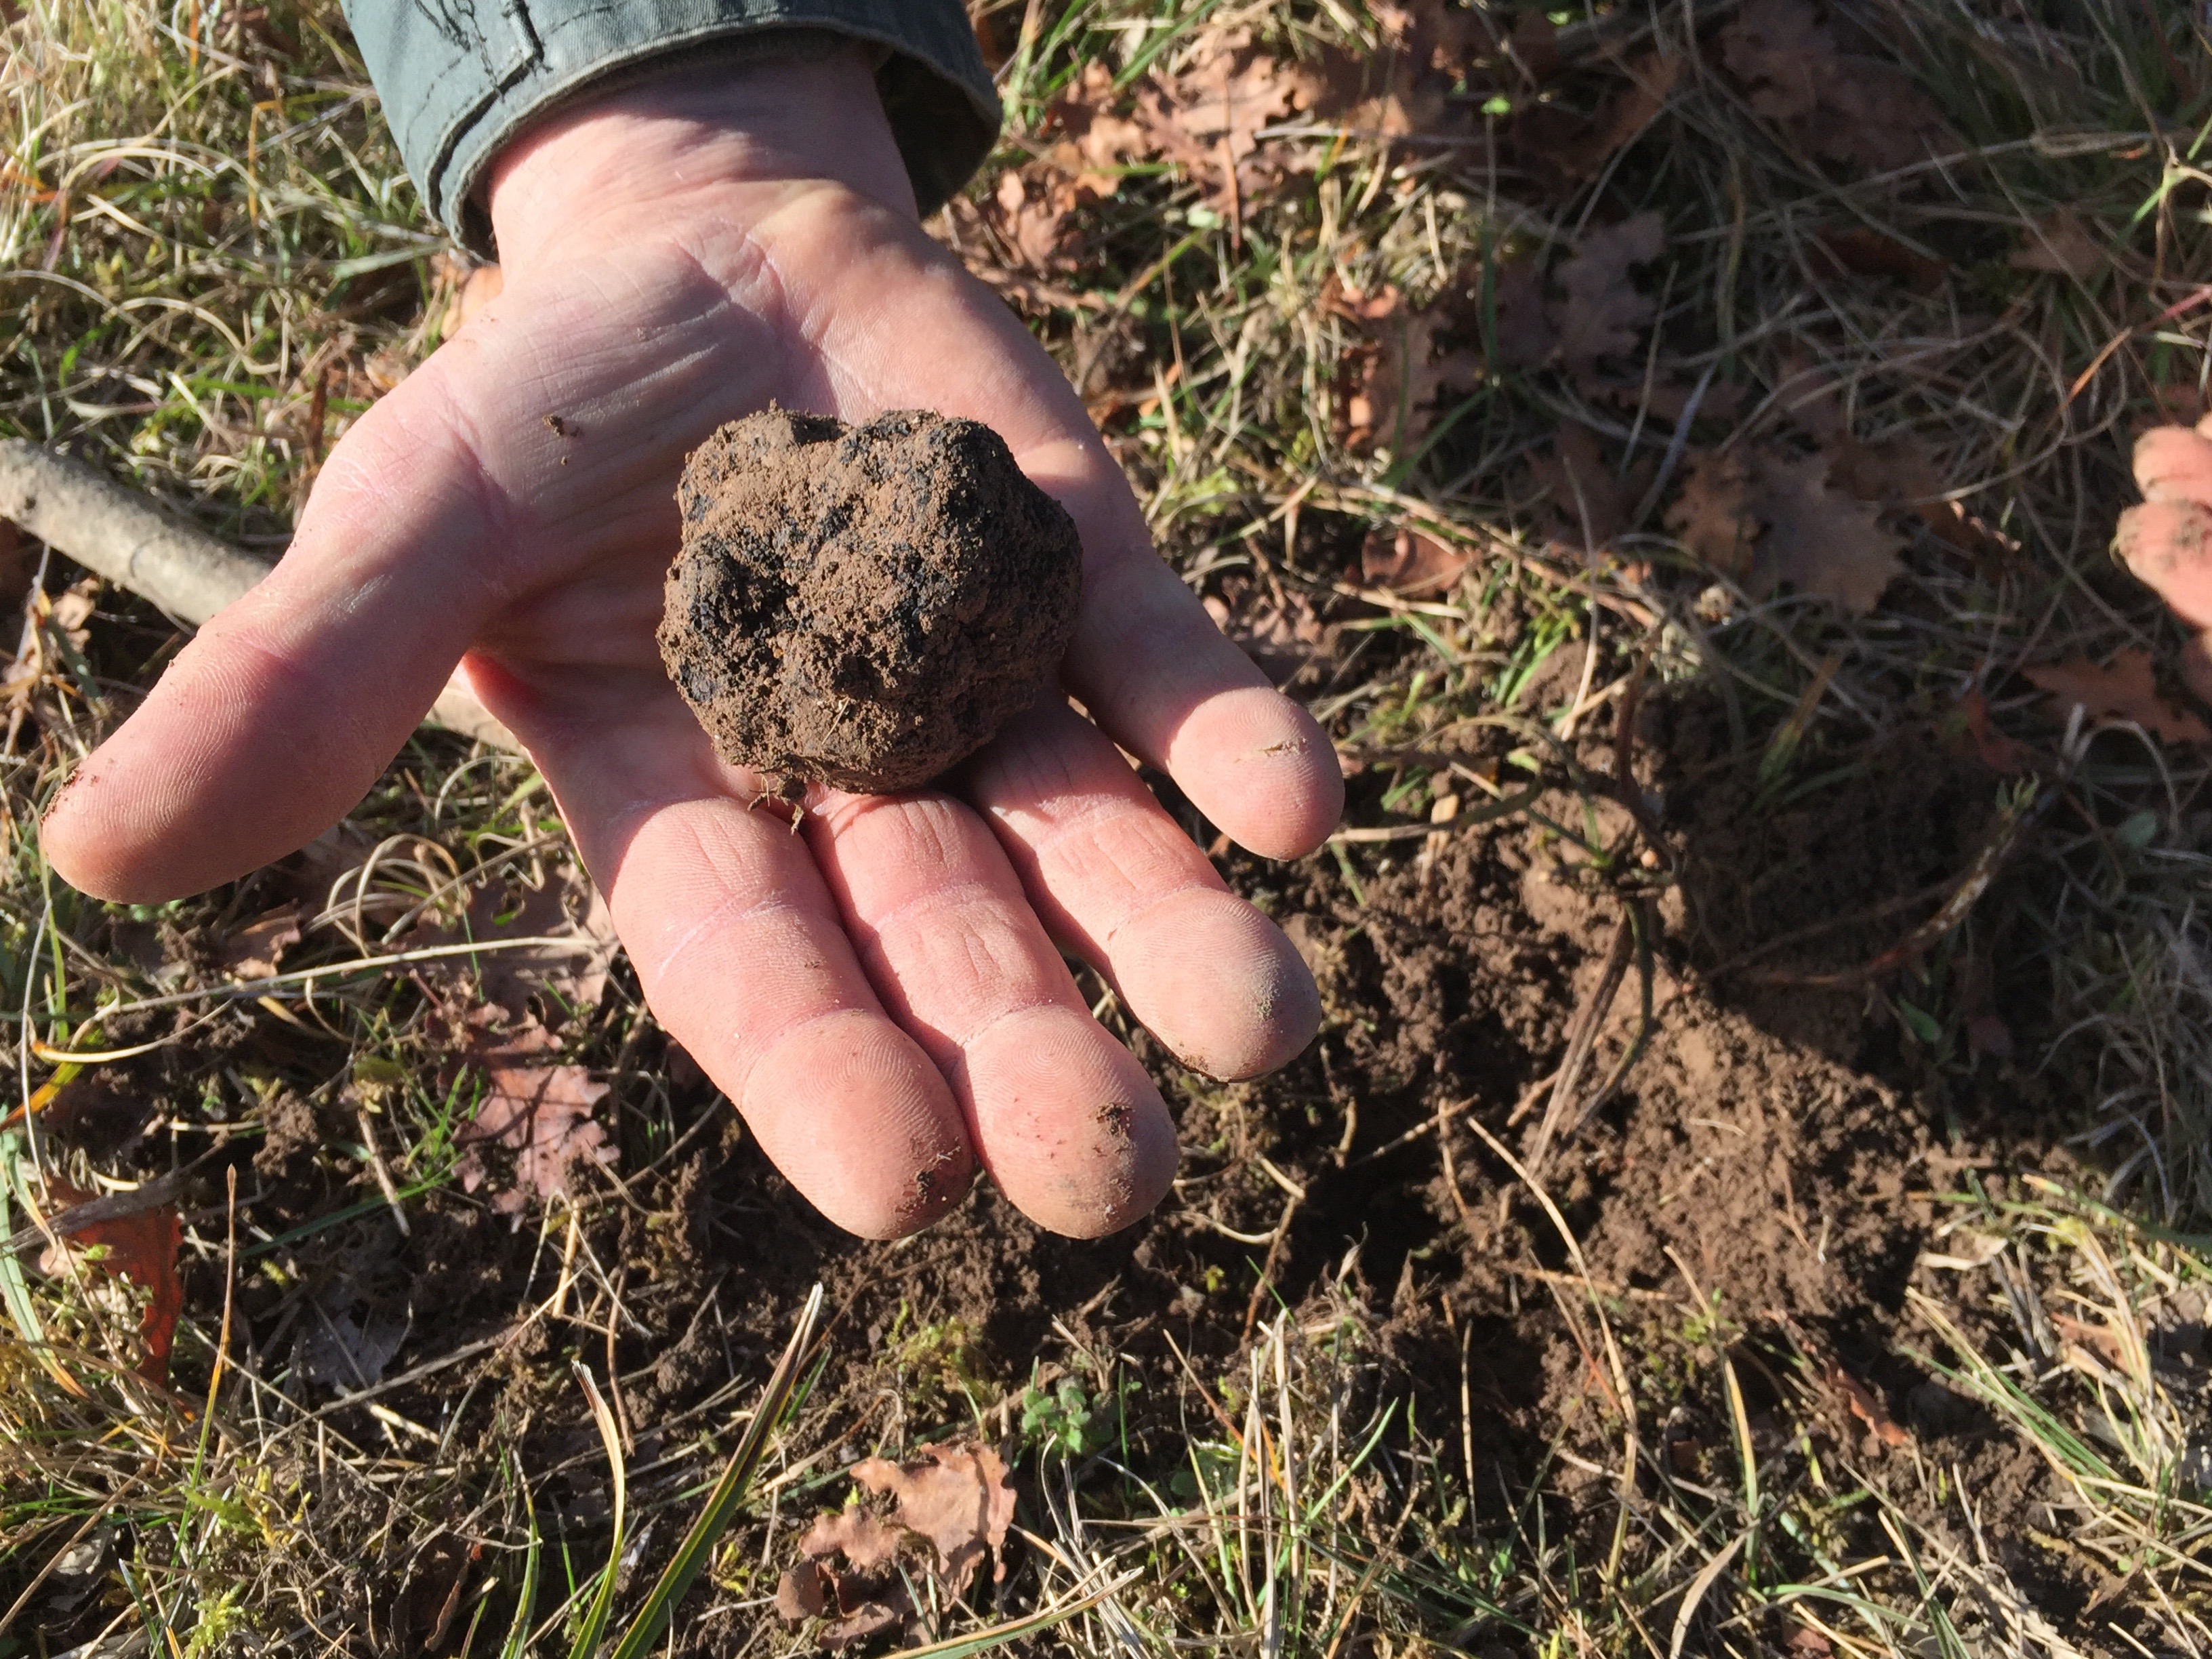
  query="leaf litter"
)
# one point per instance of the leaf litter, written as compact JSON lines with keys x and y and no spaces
{"x":953,"y":1498}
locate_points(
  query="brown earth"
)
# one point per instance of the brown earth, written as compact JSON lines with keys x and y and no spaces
{"x":863,"y":606}
{"x":1768,"y":1159}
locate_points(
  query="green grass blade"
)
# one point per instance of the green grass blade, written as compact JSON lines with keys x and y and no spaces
{"x":518,"y":1634}
{"x":722,"y":1503}
{"x":595,"y":1621}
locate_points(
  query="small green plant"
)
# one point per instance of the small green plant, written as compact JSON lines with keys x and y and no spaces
{"x":1066,"y":1420}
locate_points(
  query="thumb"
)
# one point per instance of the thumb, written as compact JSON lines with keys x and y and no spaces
{"x":273,"y":721}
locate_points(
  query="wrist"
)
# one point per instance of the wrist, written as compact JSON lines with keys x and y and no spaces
{"x":732,"y":136}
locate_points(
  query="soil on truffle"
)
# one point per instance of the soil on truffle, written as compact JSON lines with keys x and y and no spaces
{"x":863,"y":606}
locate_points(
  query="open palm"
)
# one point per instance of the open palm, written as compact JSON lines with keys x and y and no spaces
{"x":881,"y":994}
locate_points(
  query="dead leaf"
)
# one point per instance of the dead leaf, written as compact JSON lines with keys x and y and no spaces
{"x":1819,"y":540}
{"x":2125,"y":689}
{"x":1713,"y":514}
{"x":537,"y":1109}
{"x":342,"y":1352}
{"x":798,"y":1592}
{"x":1989,"y":746}
{"x":1278,"y":629}
{"x":1865,"y":1407}
{"x":1844,"y":107}
{"x":2100,"y":1339}
{"x":1589,"y":499}
{"x":958,"y":1499}
{"x":139,"y":1245}
{"x":1602,"y":315}
{"x":1524,"y":331}
{"x":1767,"y":518}
{"x":855,"y":1534}
{"x":2060,"y":243}
{"x":1865,"y":252}
{"x":1406,"y":88}
{"x":1406,"y":376}
{"x":255,"y":950}
{"x":1411,"y":563}
{"x":570,"y":973}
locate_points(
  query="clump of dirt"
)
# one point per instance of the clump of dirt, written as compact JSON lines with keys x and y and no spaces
{"x":863,"y":606}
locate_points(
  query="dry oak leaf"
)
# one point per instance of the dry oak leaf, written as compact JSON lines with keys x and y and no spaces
{"x":1411,"y":563}
{"x":867,"y":1597}
{"x":1602,"y":315}
{"x":855,"y":1534}
{"x":2060,"y":243}
{"x":1846,"y":108}
{"x":2125,"y":689}
{"x":1819,"y":540}
{"x":568,"y":909}
{"x":255,"y":950}
{"x":1589,"y":499}
{"x":957,"y":1496}
{"x":139,"y":1244}
{"x":1713,"y":517}
{"x":1766,"y":519}
{"x":540,"y":1111}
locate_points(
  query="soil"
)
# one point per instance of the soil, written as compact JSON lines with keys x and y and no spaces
{"x":863,"y":606}
{"x":1760,"y":1187}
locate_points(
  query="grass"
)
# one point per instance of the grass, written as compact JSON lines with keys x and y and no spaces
{"x":212,"y":262}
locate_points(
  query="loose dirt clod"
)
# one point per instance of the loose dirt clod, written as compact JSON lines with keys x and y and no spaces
{"x":863,"y":606}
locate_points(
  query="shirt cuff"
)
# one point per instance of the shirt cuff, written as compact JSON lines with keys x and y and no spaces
{"x":461,"y":78}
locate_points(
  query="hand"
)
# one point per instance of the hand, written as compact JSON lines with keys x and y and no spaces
{"x":880,"y":995}
{"x":2167,"y":541}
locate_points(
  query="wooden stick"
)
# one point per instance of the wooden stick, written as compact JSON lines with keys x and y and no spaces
{"x":118,"y":532}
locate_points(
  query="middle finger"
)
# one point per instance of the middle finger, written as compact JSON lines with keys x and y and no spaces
{"x":1062,"y":1116}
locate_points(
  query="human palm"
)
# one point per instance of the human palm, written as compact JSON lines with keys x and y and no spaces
{"x":881,"y":993}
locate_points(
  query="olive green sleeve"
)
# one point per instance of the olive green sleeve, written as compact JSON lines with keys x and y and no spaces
{"x":459,"y":78}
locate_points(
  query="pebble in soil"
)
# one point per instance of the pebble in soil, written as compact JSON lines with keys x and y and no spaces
{"x":863,"y":606}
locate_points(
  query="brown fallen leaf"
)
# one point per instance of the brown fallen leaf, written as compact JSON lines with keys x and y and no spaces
{"x":1408,"y":372}
{"x":2060,"y":243}
{"x":1525,"y":339}
{"x":1765,"y":519}
{"x":2125,"y":689}
{"x":1427,"y":49}
{"x":570,"y":973}
{"x":1411,"y":563}
{"x":1590,"y":500}
{"x":855,"y":1534}
{"x":1602,"y":315}
{"x":539,"y":1110}
{"x":2100,"y":1339}
{"x":1845,"y":107}
{"x":255,"y":950}
{"x":1866,"y":1406}
{"x":1865,"y":252}
{"x":139,"y":1245}
{"x":798,"y":1592}
{"x":1713,"y":515}
{"x":2000,"y":753}
{"x":955,"y":1496}
{"x":1819,"y":540}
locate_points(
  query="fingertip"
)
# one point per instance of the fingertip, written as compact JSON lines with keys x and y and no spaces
{"x":879,"y":1149}
{"x":1217,"y":982}
{"x":1260,"y":766}
{"x":2172,"y":463}
{"x":2168,"y":545}
{"x":1074,"y":1132}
